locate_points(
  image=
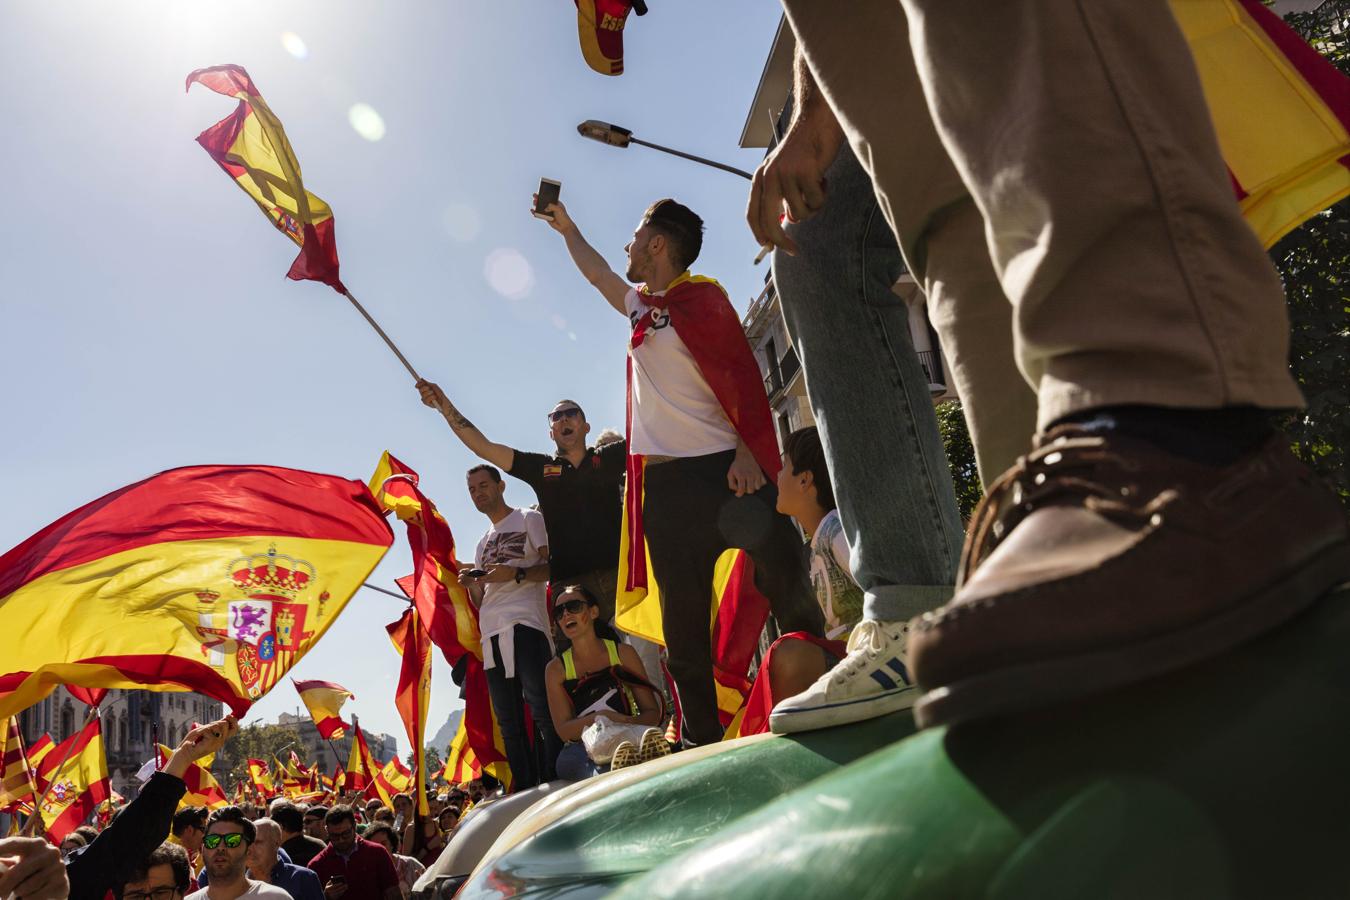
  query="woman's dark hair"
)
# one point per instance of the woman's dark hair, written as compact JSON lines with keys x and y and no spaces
{"x":603,"y":629}
{"x":806,"y":454}
{"x":383,"y":828}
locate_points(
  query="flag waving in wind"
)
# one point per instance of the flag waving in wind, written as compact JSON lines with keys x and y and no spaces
{"x":413,"y":694}
{"x":76,"y":786}
{"x":324,"y":701}
{"x":252,"y":148}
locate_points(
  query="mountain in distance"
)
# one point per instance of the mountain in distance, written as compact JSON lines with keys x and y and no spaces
{"x":442,"y":738}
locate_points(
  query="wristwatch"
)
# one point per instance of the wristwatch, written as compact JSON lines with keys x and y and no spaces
{"x":520,"y":575}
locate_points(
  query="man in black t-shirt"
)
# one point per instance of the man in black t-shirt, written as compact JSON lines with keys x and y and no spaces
{"x":580,"y":492}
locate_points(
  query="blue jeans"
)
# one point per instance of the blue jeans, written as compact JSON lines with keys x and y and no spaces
{"x":870,"y":399}
{"x":575,"y":764}
{"x":531,"y":762}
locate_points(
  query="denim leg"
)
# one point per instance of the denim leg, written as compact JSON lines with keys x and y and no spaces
{"x":870,"y":399}
{"x":574,"y":764}
{"x":507,"y":704}
{"x":532,"y":656}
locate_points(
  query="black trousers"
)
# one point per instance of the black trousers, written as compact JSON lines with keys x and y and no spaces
{"x":690,"y":518}
{"x":531,"y":763}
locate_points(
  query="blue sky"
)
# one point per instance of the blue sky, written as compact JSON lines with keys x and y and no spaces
{"x":147,"y":323}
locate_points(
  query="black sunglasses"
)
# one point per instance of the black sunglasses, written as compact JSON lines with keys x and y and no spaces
{"x":571,"y":606}
{"x":212,"y":841}
{"x":559,"y":415}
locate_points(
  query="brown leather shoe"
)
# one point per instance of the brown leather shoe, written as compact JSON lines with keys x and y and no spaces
{"x":1099,"y":560}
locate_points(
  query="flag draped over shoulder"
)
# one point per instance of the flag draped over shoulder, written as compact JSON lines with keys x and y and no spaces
{"x":705,"y":320}
{"x":413,"y":694}
{"x":214,"y":579}
{"x":17,"y":783}
{"x":324,"y":701}
{"x":443,"y":607}
{"x":76,"y":787}
{"x":1281,"y":111}
{"x":252,"y":148}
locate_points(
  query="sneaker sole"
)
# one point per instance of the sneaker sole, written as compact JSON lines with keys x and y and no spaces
{"x":1030,"y":686}
{"x":845,"y":712}
{"x":654,"y":746}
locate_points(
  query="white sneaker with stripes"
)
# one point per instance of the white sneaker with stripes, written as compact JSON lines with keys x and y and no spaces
{"x":872,"y":680}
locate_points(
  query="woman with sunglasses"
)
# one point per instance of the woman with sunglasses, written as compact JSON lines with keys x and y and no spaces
{"x":596,"y":676}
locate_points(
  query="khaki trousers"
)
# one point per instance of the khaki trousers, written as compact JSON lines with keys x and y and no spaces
{"x":1054,"y":181}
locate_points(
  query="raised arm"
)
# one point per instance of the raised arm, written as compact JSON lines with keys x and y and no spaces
{"x":499,"y":455}
{"x":588,"y":261}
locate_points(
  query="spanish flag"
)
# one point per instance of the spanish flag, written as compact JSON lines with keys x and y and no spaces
{"x":79,"y":785}
{"x":360,"y":773}
{"x":17,"y":782}
{"x":40,"y":750}
{"x":478,"y":728}
{"x":262,"y":780}
{"x":214,"y":579}
{"x":413,"y":694}
{"x":202,"y":787}
{"x":252,"y":148}
{"x":393,"y":779}
{"x":1281,"y":111}
{"x":324,"y":701}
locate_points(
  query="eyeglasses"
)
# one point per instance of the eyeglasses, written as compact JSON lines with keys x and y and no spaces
{"x":335,"y":835}
{"x":560,"y":414}
{"x":212,"y":841}
{"x":160,"y":893}
{"x":571,"y":606}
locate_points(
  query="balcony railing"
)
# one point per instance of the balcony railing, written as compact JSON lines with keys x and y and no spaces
{"x":781,"y":373}
{"x":931,"y":360}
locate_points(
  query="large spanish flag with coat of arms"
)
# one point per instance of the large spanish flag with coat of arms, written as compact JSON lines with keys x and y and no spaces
{"x":214,"y":579}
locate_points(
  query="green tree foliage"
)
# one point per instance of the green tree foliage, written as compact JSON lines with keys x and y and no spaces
{"x":1314,"y":262}
{"x":256,"y":741}
{"x":960,"y":456}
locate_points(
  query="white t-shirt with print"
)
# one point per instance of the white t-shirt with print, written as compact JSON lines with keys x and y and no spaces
{"x":257,"y":891}
{"x":675,"y":413}
{"x":840,"y":598}
{"x":514,"y":541}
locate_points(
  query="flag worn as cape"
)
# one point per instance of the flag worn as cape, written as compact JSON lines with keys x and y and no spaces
{"x":413,"y":694}
{"x":705,"y":320}
{"x":17,"y":782}
{"x":324,"y":701}
{"x":79,"y":785}
{"x":214,"y":579}
{"x":1281,"y":111}
{"x":252,"y":148}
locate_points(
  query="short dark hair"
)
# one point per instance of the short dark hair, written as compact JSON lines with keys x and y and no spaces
{"x":804,"y":450}
{"x":287,"y":815}
{"x":316,"y":812}
{"x":681,"y":226}
{"x":235,"y":816}
{"x":340,"y":813}
{"x":386,"y":828}
{"x":165,"y":854}
{"x":189,"y":817}
{"x":79,"y":839}
{"x":89,"y":832}
{"x":491,"y":470}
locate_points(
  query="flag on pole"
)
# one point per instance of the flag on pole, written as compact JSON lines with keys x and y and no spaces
{"x":393,"y":779}
{"x":324,"y":701}
{"x":214,"y":579}
{"x":202,"y":787}
{"x":17,"y":782}
{"x":359,"y":776}
{"x":1281,"y":112}
{"x":252,"y":148}
{"x":259,"y":775}
{"x":478,"y":728}
{"x":41,"y":748}
{"x":79,"y":785}
{"x":413,"y":694}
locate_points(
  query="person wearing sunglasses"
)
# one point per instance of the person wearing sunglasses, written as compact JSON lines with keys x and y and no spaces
{"x":229,"y":836}
{"x":596,"y":676}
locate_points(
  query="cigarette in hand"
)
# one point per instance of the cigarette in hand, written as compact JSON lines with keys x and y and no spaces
{"x":763,"y":252}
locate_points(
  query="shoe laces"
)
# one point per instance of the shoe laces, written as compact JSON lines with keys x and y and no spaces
{"x":1060,"y":471}
{"x":868,"y":638}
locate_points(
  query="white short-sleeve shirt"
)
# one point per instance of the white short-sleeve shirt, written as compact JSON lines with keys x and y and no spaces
{"x":675,"y":412}
{"x":514,"y":541}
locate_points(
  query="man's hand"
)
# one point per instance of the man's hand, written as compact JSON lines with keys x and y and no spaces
{"x":561,"y":221}
{"x":31,"y":868}
{"x":499,"y":575}
{"x":201,"y":741}
{"x":334,"y":889}
{"x":467,"y":580}
{"x":433,"y":396}
{"x":792,"y":176}
{"x":745,"y":476}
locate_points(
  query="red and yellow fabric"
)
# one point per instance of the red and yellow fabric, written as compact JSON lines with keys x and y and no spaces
{"x":478,"y":728}
{"x":324,"y":701}
{"x":40,"y":750}
{"x":252,"y":148}
{"x":359,"y":775}
{"x":1281,"y":111}
{"x":600,"y":25}
{"x":705,"y":320}
{"x":214,"y":579}
{"x":412,"y":696}
{"x":288,"y":780}
{"x":394,"y":778}
{"x":77,"y":786}
{"x":443,"y":605}
{"x":202,"y":787}
{"x":261,"y":777}
{"x":17,"y":782}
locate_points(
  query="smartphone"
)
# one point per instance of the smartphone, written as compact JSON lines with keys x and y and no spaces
{"x":478,"y":573}
{"x":549,"y":191}
{"x":337,"y":879}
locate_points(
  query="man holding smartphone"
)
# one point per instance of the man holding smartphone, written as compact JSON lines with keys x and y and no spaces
{"x":350,"y":867}
{"x":702,"y":449}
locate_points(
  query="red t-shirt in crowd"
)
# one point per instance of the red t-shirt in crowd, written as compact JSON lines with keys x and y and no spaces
{"x":369,"y":870}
